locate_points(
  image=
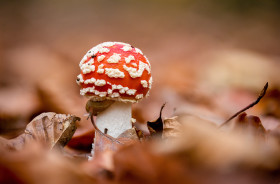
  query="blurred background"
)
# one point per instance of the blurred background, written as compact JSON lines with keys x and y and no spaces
{"x":209,"y":58}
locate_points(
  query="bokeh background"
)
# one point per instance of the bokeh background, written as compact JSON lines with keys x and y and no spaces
{"x":209,"y":58}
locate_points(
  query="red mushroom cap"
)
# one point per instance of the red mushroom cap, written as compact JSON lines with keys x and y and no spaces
{"x":115,"y":71}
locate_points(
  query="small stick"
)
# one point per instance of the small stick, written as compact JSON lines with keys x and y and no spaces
{"x":249,"y":106}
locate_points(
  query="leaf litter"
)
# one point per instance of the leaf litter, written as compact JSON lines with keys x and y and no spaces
{"x":189,"y":146}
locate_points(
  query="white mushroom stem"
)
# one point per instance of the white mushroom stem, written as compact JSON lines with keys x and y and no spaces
{"x":116,"y":118}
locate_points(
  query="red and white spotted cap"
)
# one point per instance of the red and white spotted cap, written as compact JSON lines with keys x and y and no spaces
{"x":115,"y":71}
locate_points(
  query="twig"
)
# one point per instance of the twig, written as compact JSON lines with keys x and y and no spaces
{"x":249,"y":106}
{"x":99,"y":131}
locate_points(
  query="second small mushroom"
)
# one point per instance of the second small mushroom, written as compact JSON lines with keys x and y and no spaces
{"x":115,"y":75}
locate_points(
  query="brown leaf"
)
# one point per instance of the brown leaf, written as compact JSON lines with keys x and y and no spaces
{"x":108,"y":143}
{"x":138,"y":164}
{"x":104,"y":143}
{"x":82,"y":140}
{"x":36,"y":164}
{"x":156,"y":127}
{"x":223,"y":68}
{"x":261,"y":95}
{"x":274,"y":134}
{"x":250,"y":126}
{"x":271,"y":104}
{"x":101,"y":166}
{"x":129,"y":134}
{"x":208,"y":146}
{"x":140,"y":134}
{"x":50,"y":129}
{"x":17,"y":105}
{"x":171,"y":128}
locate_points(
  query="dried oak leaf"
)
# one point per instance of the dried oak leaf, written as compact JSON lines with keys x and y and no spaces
{"x":156,"y":127}
{"x":104,"y":142}
{"x":50,"y":129}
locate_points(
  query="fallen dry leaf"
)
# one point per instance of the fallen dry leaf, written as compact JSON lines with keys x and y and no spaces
{"x":17,"y":106}
{"x":208,"y":146}
{"x":271,"y":103}
{"x":138,"y":164}
{"x":36,"y":164}
{"x":101,"y":166}
{"x":261,"y":95}
{"x":104,"y":142}
{"x":129,"y":134}
{"x":171,"y":128}
{"x":50,"y":129}
{"x":229,"y":68}
{"x":156,"y":127}
{"x":250,"y":126}
{"x":82,"y":140}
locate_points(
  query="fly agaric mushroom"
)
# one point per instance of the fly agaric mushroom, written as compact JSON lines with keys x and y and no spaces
{"x":114,"y":75}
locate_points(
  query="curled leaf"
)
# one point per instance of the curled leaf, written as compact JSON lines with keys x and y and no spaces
{"x":50,"y":129}
{"x":156,"y":127}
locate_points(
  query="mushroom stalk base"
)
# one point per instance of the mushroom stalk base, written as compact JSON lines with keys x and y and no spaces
{"x":116,"y":118}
